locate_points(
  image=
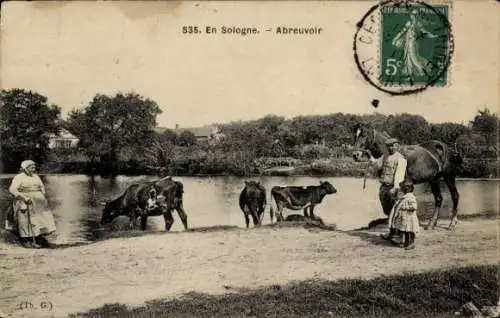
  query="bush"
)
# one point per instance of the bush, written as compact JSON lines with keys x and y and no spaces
{"x":312,"y":152}
{"x":315,"y":160}
{"x":337,"y":168}
{"x":479,"y":168}
{"x":203,"y":162}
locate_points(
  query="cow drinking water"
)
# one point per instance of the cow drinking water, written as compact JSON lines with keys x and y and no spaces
{"x":252,"y":202}
{"x":139,"y":199}
{"x":298,"y":198}
{"x":146,"y":199}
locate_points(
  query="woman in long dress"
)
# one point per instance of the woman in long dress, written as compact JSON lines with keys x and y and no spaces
{"x":31,"y":209}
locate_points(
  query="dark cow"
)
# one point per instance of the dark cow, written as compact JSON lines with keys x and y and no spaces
{"x":253,"y":202}
{"x":137,"y":200}
{"x":169,"y":197}
{"x":298,"y":198}
{"x":148,"y":199}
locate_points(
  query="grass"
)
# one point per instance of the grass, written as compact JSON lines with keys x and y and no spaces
{"x":437,"y":293}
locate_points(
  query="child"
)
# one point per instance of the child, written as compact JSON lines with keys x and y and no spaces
{"x":405,"y":215}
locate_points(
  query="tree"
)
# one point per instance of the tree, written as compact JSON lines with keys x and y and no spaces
{"x":157,"y":154}
{"x":471,"y":145}
{"x":410,"y":128}
{"x":448,"y":132}
{"x":169,"y":136}
{"x":287,"y":137}
{"x":378,"y":121}
{"x":307,"y":129}
{"x":247,"y":136}
{"x":187,"y":138}
{"x":108,"y":124}
{"x":26,"y":121}
{"x":270,"y":124}
{"x":486,"y":124}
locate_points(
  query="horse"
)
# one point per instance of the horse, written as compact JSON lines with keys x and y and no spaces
{"x":427,"y":162}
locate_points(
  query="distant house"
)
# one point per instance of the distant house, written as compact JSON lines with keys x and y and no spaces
{"x":64,"y":139}
{"x":202,"y":134}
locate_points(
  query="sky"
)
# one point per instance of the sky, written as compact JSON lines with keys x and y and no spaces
{"x":70,"y":51}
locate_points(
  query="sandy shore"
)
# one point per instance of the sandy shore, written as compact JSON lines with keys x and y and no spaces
{"x":134,"y":270}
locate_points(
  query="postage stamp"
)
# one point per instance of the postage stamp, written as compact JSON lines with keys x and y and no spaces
{"x":405,"y":47}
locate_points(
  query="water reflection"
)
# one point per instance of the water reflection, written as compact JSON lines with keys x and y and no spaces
{"x":211,"y":201}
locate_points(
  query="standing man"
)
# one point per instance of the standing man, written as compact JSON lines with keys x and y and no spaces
{"x":392,"y":171}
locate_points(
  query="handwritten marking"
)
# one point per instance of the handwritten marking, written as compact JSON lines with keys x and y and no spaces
{"x":44,"y":305}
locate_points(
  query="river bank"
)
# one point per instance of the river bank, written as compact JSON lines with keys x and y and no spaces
{"x":165,"y":266}
{"x":341,"y":167}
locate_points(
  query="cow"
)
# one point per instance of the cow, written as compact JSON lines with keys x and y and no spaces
{"x":298,"y":198}
{"x":169,"y":197}
{"x":137,"y":200}
{"x":252,"y":202}
{"x":146,"y":199}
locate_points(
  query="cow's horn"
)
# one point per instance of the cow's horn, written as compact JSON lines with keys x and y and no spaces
{"x":102,"y":203}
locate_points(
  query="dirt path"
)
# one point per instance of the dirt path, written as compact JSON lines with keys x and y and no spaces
{"x":134,"y":270}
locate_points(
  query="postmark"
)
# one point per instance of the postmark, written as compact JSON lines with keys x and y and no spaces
{"x":404,"y":47}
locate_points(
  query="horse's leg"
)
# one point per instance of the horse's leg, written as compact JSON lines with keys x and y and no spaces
{"x":169,"y":220}
{"x":450,"y":182}
{"x":183,"y":216}
{"x":306,"y":215}
{"x":438,"y":200}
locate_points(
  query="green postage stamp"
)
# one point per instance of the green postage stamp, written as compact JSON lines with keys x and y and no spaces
{"x":403,"y":47}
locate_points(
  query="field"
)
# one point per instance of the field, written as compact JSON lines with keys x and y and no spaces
{"x":269,"y":271}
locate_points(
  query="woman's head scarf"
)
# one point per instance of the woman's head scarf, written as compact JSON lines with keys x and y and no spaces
{"x":26,"y":163}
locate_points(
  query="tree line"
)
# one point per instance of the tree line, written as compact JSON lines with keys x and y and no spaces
{"x":117,"y":135}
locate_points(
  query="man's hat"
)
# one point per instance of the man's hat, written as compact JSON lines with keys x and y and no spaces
{"x":391,"y":141}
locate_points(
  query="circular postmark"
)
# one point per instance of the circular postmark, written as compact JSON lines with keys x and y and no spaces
{"x":402,"y":47}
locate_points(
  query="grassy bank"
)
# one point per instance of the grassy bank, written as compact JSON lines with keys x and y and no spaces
{"x":183,"y":162}
{"x":429,"y":294}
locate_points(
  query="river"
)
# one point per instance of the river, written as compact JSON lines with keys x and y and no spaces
{"x":213,"y":201}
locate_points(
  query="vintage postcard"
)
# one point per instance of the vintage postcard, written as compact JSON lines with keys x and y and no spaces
{"x":249,"y":158}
